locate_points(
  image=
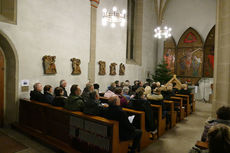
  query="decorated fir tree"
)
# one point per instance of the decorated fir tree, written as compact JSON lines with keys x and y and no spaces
{"x":162,"y":73}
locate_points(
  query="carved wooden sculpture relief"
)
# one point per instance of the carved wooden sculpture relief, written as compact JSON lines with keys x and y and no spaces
{"x":76,"y":66}
{"x":49,"y":64}
{"x":122,"y":69}
{"x":113,"y":69}
{"x":102,"y":68}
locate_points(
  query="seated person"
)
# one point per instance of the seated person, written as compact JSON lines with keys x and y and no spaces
{"x":185,"y":91}
{"x":140,"y":103}
{"x":135,"y":86}
{"x":223,"y":117}
{"x":218,"y":140}
{"x":36,"y":94}
{"x":48,"y":97}
{"x":127,"y":83}
{"x":157,"y":96}
{"x":123,"y":100}
{"x":110,"y":92}
{"x":93,"y":106}
{"x":126,"y":130}
{"x":117,"y":83}
{"x":75,"y":102}
{"x":167,"y":92}
{"x":59,"y":99}
{"x":158,"y":84}
{"x":63,"y":85}
{"x":96,"y":87}
{"x":88,"y":88}
{"x":126,"y":93}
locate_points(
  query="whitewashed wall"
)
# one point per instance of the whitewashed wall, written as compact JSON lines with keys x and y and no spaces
{"x":182,"y":14}
{"x":62,"y":28}
{"x":111,"y":45}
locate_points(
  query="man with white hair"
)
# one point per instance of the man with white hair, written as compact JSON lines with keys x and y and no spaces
{"x":63,"y":85}
{"x":36,"y":94}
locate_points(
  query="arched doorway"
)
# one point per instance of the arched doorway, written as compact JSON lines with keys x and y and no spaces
{"x":9,"y":104}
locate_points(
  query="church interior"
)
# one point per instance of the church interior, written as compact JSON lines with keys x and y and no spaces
{"x":114,"y":76}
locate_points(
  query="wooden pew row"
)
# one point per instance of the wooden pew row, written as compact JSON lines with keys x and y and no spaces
{"x":187,"y":105}
{"x":161,"y":125}
{"x":146,"y":136}
{"x":61,"y":129}
{"x":173,"y":113}
{"x":179,"y":106}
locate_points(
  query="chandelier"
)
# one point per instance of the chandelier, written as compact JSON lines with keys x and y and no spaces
{"x":162,"y":33}
{"x":113,"y":17}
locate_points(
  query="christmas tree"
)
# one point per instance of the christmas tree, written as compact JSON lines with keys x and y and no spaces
{"x":162,"y":74}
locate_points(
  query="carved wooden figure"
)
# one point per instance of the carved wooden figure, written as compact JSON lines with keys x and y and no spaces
{"x":76,"y":66}
{"x":49,"y":64}
{"x":102,"y":68}
{"x":122,"y":69}
{"x":113,"y":69}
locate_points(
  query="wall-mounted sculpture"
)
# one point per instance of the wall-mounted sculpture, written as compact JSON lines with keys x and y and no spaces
{"x":102,"y":68}
{"x":122,"y":69}
{"x":49,"y":64}
{"x":113,"y":69}
{"x":76,"y":66}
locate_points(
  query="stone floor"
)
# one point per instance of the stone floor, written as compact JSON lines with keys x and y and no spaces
{"x":177,"y":140}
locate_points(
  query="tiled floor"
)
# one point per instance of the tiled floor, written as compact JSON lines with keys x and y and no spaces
{"x":177,"y":140}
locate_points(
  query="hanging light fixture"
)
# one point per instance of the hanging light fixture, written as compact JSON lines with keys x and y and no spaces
{"x":113,"y":17}
{"x":162,"y":32}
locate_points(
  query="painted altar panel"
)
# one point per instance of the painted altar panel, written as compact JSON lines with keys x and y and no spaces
{"x":169,"y":54}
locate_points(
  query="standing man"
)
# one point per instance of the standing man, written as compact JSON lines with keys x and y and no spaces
{"x":63,"y":85}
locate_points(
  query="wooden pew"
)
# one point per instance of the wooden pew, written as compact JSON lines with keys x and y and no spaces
{"x":187,"y":105}
{"x":161,"y":121}
{"x":173,"y":113}
{"x":61,"y":128}
{"x":145,"y":139}
{"x":202,"y":145}
{"x":179,"y":101}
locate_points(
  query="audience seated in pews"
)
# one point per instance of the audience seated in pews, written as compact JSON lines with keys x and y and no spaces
{"x":140,"y":103}
{"x":75,"y":102}
{"x":36,"y":94}
{"x":59,"y":100}
{"x":218,"y":140}
{"x":48,"y":97}
{"x":119,"y":93}
{"x":92,"y":105}
{"x":88,"y":88}
{"x":126,"y":130}
{"x":110,"y":92}
{"x":223,"y":117}
{"x":63,"y":85}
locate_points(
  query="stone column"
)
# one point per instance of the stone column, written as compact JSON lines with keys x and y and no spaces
{"x":93,"y":28}
{"x":221,"y":96}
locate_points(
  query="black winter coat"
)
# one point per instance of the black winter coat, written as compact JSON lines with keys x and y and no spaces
{"x":126,"y":129}
{"x":37,"y":96}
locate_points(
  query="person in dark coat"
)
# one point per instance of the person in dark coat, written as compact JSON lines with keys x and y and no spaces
{"x":36,"y":94}
{"x":59,"y":99}
{"x":93,"y":106}
{"x":75,"y":102}
{"x":223,"y":117}
{"x":63,"y":85}
{"x":140,"y":103}
{"x":126,"y":130}
{"x":88,"y":88}
{"x":48,"y":97}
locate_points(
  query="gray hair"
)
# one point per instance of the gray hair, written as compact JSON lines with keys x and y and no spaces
{"x":126,"y":90}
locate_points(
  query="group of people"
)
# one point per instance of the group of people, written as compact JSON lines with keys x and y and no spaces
{"x":138,"y":96}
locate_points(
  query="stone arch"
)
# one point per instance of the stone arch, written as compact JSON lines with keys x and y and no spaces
{"x":11,"y":79}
